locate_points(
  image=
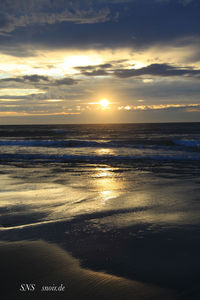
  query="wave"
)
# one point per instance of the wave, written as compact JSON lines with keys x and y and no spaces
{"x":95,"y":158}
{"x":136,"y":143}
{"x":188,"y":143}
{"x":51,"y":143}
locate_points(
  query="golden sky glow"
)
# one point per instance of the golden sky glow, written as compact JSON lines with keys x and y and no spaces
{"x":104,"y":103}
{"x":58,"y":63}
{"x":69,"y":83}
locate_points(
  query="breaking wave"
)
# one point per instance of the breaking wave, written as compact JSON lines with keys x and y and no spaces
{"x":135,"y":143}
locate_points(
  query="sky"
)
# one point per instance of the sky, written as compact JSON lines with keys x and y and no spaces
{"x":99,"y":61}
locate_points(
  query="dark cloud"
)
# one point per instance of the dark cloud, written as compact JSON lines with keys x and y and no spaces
{"x":99,"y":72}
{"x":40,"y":79}
{"x":156,"y":70}
{"x":93,"y":67}
{"x":161,"y":70}
{"x":95,"y":70}
{"x":5,"y":22}
{"x":98,"y":24}
{"x":24,"y":13}
{"x":66,"y":81}
{"x":26,"y":79}
{"x":35,"y":78}
{"x":184,"y":108}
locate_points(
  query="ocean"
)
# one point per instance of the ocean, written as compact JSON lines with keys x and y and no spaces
{"x":121,"y":198}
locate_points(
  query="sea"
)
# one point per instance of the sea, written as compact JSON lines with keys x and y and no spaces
{"x":122,"y":198}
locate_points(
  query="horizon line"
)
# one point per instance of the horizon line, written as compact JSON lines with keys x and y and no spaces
{"x":120,"y":123}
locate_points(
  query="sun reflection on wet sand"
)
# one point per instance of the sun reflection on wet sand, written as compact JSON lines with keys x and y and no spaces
{"x":99,"y":188}
{"x":105,"y":151}
{"x":107,"y":184}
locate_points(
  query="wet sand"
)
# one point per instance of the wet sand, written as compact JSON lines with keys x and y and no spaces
{"x":41,"y":265}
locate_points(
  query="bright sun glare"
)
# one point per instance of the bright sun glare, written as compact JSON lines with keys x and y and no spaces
{"x":104,"y":103}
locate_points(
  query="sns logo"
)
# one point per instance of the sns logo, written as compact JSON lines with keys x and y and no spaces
{"x":27,"y":287}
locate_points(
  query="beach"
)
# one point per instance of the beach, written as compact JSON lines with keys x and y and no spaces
{"x":42,"y":271}
{"x":102,"y":209}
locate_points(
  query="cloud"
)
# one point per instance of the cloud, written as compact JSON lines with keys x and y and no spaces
{"x":88,"y":68}
{"x":95,"y":70}
{"x":169,"y":107}
{"x":96,"y":73}
{"x":162,"y":70}
{"x":23,"y":13}
{"x":66,"y":81}
{"x":84,"y":50}
{"x":40,"y":79}
{"x":35,"y":78}
{"x":6,"y":22}
{"x":98,"y":24}
{"x":27,"y":78}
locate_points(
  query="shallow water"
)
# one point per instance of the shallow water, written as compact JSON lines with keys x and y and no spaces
{"x":121,"y":198}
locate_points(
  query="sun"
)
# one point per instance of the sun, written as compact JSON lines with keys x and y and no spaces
{"x":104,"y":103}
